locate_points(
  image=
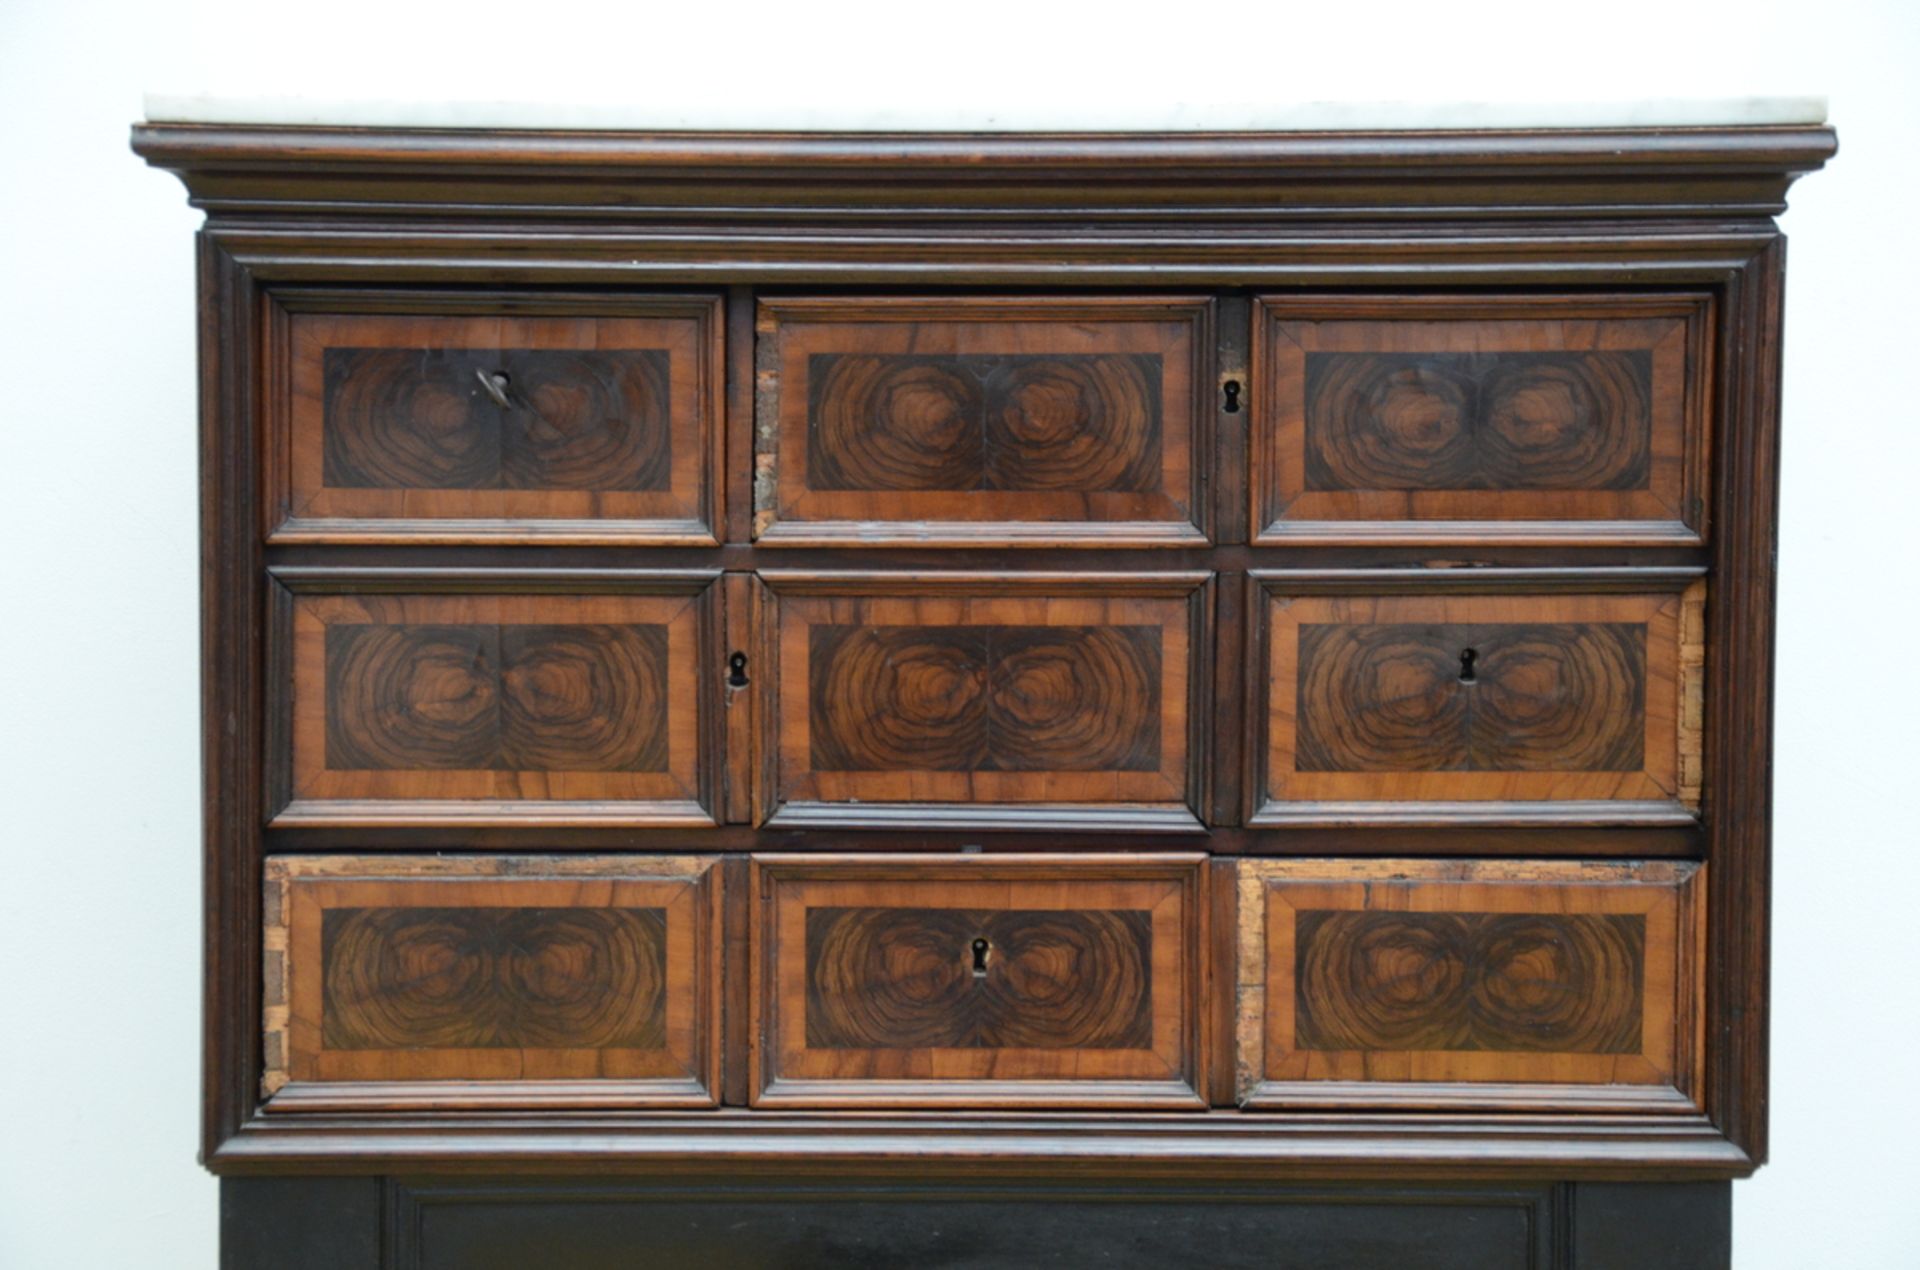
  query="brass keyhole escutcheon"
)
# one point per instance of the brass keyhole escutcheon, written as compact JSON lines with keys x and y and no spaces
{"x":980,"y":950}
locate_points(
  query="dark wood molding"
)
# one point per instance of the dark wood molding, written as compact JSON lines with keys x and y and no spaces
{"x":851,"y":178}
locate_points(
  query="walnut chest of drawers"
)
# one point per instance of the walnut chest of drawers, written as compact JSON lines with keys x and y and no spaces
{"x":898,"y":677}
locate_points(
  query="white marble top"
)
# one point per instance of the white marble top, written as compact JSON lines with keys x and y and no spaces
{"x":1178,"y":116}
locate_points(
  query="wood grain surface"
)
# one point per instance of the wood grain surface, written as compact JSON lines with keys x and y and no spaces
{"x":1416,"y":418}
{"x":447,"y":418}
{"x":943,"y":978}
{"x":1000,"y":695}
{"x":401,"y":981}
{"x":982,"y":421}
{"x":984,"y":698}
{"x":1452,"y":704}
{"x":985,"y":980}
{"x":1497,"y":984}
{"x":476,"y":978}
{"x":468,"y":707}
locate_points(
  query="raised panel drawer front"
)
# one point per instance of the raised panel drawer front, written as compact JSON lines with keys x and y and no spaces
{"x":984,"y":421}
{"x":428,"y":707}
{"x":403,"y":982}
{"x":1509,"y":985}
{"x":1003,"y":981}
{"x":1407,"y":419}
{"x":1020,"y":701}
{"x":504,"y":419}
{"x":1469,"y":700}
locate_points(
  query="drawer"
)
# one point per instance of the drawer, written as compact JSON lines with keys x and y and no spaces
{"x":1511,"y":985}
{"x":975,"y":980}
{"x":500,"y":418}
{"x":1409,"y":419}
{"x":413,"y":702}
{"x":982,"y":421}
{"x":1516,"y":699}
{"x":1017,"y":701}
{"x":443,"y":982}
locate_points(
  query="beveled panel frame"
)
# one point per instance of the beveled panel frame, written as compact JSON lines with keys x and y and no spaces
{"x":1665,"y":791}
{"x":786,"y":1073}
{"x":302,"y":1076}
{"x":1167,"y":799}
{"x":301,"y":323}
{"x":788,"y":512}
{"x":1274,"y":1071}
{"x":302,"y":793}
{"x":1677,"y":327}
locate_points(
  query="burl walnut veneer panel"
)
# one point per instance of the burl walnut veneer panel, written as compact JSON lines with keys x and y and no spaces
{"x":490,"y":981}
{"x":1493,"y":707}
{"x":1501,"y":985}
{"x":414,"y":709}
{"x":1407,"y":419}
{"x":985,"y":421}
{"x":1004,"y":981}
{"x":1013,"y":701}
{"x":496,"y":420}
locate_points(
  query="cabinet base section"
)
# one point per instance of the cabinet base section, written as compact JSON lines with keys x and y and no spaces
{"x":394,"y":1223}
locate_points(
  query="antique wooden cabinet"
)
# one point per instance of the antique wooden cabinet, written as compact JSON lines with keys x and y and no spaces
{"x":965,"y":699}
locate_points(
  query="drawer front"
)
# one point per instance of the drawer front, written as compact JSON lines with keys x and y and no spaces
{"x":982,"y":421}
{"x":405,"y":981}
{"x":1494,"y":706}
{"x":974,"y":981}
{"x":1416,"y":419}
{"x":595,"y":422}
{"x":431,"y":707}
{"x":1013,"y":701}
{"x":1497,"y":985}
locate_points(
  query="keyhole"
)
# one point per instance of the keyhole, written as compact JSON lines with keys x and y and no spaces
{"x":1232,"y":389}
{"x":1467,"y":658}
{"x":496,"y":386}
{"x":737,"y":671}
{"x":980,"y":950}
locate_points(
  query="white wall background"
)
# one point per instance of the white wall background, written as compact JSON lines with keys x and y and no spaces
{"x":99,"y":920}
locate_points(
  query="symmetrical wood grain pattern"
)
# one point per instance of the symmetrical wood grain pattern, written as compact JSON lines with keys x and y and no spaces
{"x":490,"y":981}
{"x":1417,"y":418}
{"x":1503,"y":985}
{"x":1015,"y":700}
{"x":1500,"y":982}
{"x":984,"y":698}
{"x":982,"y":421}
{"x":1466,"y":697}
{"x":554,"y":419}
{"x":1006,"y":980}
{"x":476,"y":978}
{"x":948,"y":978}
{"x":1462,"y":700}
{"x":421,"y":708}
